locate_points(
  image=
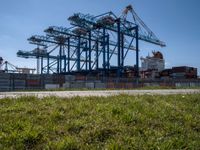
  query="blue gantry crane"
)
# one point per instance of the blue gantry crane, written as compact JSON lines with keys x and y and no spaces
{"x":92,"y":44}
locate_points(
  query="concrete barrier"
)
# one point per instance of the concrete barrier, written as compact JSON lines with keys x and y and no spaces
{"x":89,"y":85}
{"x":78,"y":85}
{"x":187,"y":84}
{"x":67,"y":85}
{"x":100,"y":85}
{"x":52,"y":86}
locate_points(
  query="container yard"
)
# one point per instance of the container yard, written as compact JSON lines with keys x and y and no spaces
{"x":91,"y":54}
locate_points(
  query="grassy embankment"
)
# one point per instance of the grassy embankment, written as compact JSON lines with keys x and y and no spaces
{"x":118,"y":122}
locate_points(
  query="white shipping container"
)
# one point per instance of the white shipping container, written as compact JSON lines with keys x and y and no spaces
{"x":52,"y":86}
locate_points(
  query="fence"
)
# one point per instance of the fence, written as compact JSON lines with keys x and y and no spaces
{"x":16,"y":82}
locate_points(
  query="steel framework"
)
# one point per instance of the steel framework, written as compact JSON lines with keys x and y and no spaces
{"x":92,"y":43}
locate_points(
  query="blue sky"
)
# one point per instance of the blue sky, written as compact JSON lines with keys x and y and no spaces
{"x":176,"y":22}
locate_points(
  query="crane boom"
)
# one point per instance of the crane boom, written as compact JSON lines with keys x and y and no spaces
{"x":91,"y":22}
{"x":144,"y":30}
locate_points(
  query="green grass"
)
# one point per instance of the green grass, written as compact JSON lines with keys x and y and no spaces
{"x":118,"y":122}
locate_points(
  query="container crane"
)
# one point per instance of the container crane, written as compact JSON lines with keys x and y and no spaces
{"x":90,"y":41}
{"x":7,"y":67}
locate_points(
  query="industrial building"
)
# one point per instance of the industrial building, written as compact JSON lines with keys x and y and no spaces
{"x":91,"y":53}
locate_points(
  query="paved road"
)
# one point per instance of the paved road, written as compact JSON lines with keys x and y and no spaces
{"x":97,"y":93}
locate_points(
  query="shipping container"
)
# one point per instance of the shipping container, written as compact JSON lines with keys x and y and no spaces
{"x":110,"y":85}
{"x":80,"y":77}
{"x":5,"y":76}
{"x":69,"y":78}
{"x":18,"y":82}
{"x":16,"y":76}
{"x":5,"y":82}
{"x":33,"y":82}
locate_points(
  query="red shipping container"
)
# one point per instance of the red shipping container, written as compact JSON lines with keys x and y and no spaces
{"x":33,"y":82}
